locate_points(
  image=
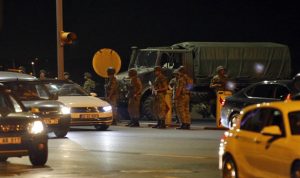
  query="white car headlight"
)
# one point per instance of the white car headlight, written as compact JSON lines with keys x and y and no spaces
{"x":107,"y":108}
{"x":65,"y":110}
{"x":36,"y":127}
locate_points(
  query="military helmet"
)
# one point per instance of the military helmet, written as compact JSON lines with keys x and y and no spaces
{"x":87,"y":74}
{"x":111,"y":71}
{"x":43,"y":71}
{"x":132,"y":72}
{"x":220,"y":68}
{"x":157,"y":68}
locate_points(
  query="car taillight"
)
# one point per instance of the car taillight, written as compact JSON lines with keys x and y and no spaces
{"x":288,"y":97}
{"x":222,"y":101}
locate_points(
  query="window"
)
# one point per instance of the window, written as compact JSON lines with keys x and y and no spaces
{"x":262,"y":91}
{"x":281,"y":92}
{"x":294,"y":120}
{"x":252,"y":121}
{"x":273,"y":117}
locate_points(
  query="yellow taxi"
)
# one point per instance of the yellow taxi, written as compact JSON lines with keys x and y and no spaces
{"x":264,"y":142}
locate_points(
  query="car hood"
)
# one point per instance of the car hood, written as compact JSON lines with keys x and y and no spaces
{"x":22,"y":116}
{"x":82,"y":101}
{"x":42,"y":104}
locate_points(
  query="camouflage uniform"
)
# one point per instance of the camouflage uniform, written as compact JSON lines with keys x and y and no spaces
{"x":89,"y":85}
{"x":172,"y":86}
{"x":182,"y":99}
{"x":134,"y":97}
{"x":160,"y":106}
{"x":112,"y":94}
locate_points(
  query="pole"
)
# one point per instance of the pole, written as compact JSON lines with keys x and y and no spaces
{"x":60,"y":47}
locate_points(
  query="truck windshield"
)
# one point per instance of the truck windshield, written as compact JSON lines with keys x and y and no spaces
{"x":145,"y":59}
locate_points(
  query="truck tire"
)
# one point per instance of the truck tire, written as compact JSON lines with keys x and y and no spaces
{"x":101,"y":127}
{"x":38,"y":157}
{"x":148,"y":108}
{"x":61,"y":132}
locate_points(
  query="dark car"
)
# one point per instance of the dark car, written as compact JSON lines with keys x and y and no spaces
{"x":265,"y":91}
{"x":21,"y":133}
{"x":36,"y":98}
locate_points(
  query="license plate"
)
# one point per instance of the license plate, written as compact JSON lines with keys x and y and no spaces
{"x":51,"y":121}
{"x":88,"y":116}
{"x":10,"y":140}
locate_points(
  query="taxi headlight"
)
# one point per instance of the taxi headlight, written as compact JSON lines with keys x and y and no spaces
{"x":36,"y":127}
{"x":107,"y":108}
{"x":65,"y":110}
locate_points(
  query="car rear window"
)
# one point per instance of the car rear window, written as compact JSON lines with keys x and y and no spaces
{"x":294,"y":119}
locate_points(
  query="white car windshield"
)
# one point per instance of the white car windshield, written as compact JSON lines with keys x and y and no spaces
{"x":66,"y":89}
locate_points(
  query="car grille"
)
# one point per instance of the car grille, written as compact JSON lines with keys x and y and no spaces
{"x":86,"y":109}
{"x":5,"y":128}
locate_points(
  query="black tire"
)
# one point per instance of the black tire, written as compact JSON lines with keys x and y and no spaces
{"x":61,"y":132}
{"x":229,"y":168}
{"x":3,"y":158}
{"x":101,"y":127}
{"x":231,"y":118}
{"x":295,"y":172}
{"x":38,"y":157}
{"x":148,"y":108}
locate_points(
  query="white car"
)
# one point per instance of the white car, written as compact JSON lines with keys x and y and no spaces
{"x":86,"y":109}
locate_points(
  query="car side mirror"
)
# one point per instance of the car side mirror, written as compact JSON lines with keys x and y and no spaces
{"x":272,"y":130}
{"x":93,"y":94}
{"x":53,"y":96}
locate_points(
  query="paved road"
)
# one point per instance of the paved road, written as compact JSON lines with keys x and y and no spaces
{"x":126,"y":152}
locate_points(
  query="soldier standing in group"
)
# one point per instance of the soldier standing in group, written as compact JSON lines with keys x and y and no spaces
{"x":89,"y":85}
{"x":160,"y":88}
{"x":134,"y":97}
{"x":172,"y":87}
{"x":218,"y":83}
{"x":111,"y":89}
{"x":182,"y":97}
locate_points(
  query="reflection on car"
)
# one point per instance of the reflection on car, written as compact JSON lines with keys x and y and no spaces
{"x":21,"y":133}
{"x":36,"y":98}
{"x":265,"y":91}
{"x":264,"y":142}
{"x":86,"y":110}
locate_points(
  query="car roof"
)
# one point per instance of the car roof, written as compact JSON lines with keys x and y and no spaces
{"x":13,"y":76}
{"x":287,"y":105}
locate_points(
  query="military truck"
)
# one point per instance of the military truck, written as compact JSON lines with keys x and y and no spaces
{"x":245,"y":62}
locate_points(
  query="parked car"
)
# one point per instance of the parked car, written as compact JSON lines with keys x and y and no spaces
{"x":264,"y":142}
{"x":265,"y":91}
{"x":36,"y":98}
{"x":86,"y":110}
{"x":21,"y":133}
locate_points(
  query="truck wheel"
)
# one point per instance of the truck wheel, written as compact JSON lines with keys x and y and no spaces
{"x":38,"y":157}
{"x":148,"y":108}
{"x":3,"y":158}
{"x":101,"y":127}
{"x":61,"y":132}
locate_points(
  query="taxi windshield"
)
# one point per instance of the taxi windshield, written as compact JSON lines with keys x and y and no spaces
{"x":66,"y":89}
{"x":294,"y":119}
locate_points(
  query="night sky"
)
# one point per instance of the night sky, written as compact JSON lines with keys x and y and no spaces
{"x":28,"y":28}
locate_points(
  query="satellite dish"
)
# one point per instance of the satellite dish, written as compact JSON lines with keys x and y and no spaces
{"x":105,"y":58}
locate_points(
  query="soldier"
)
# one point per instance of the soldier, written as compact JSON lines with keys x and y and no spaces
{"x":218,"y":82}
{"x":89,"y":85}
{"x":172,"y":87}
{"x":134,"y":96}
{"x":67,"y":76}
{"x":160,"y":87}
{"x":43,"y":74}
{"x":112,"y":92}
{"x":182,"y":98}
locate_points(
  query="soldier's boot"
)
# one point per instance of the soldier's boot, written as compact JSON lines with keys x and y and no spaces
{"x":158,"y":124}
{"x":135,"y":123}
{"x":182,"y":126}
{"x":162,"y":124}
